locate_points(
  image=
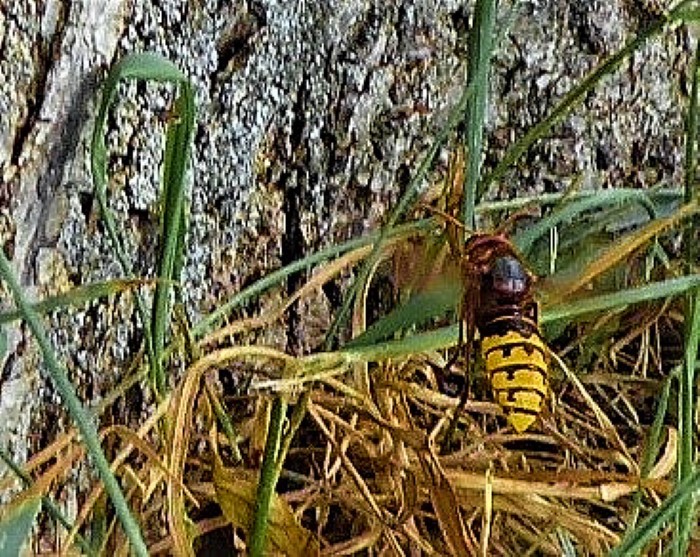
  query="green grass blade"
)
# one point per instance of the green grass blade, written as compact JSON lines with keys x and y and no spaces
{"x":656,"y":195}
{"x":444,"y":337}
{"x":268,"y":478}
{"x":420,"y":309}
{"x":480,"y":51}
{"x":577,"y":94}
{"x":652,"y":291}
{"x":173,"y":222}
{"x":685,"y":519}
{"x":567,"y":545}
{"x":83,"y":420}
{"x":179,"y":134}
{"x":47,"y":503}
{"x":650,"y":527}
{"x":16,"y":527}
{"x":615,"y":254}
{"x":135,"y":66}
{"x":652,"y":448}
{"x":691,"y":133}
{"x":77,"y":297}
{"x":688,"y":12}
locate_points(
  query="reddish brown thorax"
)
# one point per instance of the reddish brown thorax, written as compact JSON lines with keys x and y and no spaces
{"x":481,"y":249}
{"x":494,"y":268}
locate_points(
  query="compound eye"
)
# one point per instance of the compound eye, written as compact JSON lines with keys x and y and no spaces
{"x":509,"y":276}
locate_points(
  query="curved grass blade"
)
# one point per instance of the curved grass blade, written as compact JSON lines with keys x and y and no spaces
{"x":79,"y":415}
{"x":444,"y":337}
{"x":446,"y":506}
{"x":420,"y":309}
{"x":178,"y":144}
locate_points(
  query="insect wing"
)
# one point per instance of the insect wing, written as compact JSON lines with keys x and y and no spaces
{"x":471,"y":301}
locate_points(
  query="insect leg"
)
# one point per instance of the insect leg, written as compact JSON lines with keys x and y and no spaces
{"x":467,"y":332}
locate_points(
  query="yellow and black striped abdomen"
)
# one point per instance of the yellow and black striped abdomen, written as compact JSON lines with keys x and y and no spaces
{"x":516,"y":364}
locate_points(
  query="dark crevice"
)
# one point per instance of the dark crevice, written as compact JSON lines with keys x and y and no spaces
{"x":44,"y":55}
{"x":460,"y":24}
{"x":237,"y":42}
{"x":292,"y":249}
{"x":293,"y":185}
{"x":589,"y":37}
{"x":8,"y":367}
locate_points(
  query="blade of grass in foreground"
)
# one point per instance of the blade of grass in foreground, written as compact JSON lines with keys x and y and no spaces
{"x":173,"y":219}
{"x":650,"y":527}
{"x":268,"y":477}
{"x":652,"y":447}
{"x":79,"y":415}
{"x":652,"y":291}
{"x":418,"y":310}
{"x":16,"y":526}
{"x":685,"y":519}
{"x":46,"y":502}
{"x":480,"y":51}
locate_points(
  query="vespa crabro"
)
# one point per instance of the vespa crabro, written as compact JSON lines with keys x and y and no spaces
{"x":497,"y":301}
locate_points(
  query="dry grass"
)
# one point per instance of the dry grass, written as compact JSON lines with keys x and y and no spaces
{"x":364,"y":468}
